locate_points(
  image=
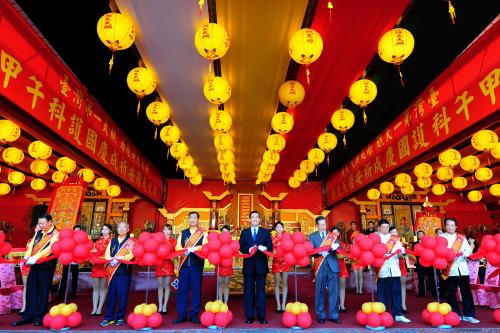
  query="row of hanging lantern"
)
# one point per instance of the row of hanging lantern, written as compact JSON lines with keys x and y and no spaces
{"x":483,"y":141}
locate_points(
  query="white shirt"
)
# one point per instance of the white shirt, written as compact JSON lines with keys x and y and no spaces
{"x":459,"y":267}
{"x":390,"y":268}
{"x":254,"y":229}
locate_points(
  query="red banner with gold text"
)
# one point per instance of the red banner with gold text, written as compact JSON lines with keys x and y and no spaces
{"x":65,"y":204}
{"x":464,"y":94}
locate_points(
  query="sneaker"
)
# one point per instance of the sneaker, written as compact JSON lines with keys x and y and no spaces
{"x":120,"y":322}
{"x":470,"y":319}
{"x":403,"y":319}
{"x":106,"y":322}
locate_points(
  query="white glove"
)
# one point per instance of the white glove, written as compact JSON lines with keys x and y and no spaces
{"x":192,"y":249}
{"x":31,"y":260}
{"x":262,"y":248}
{"x":114,"y":262}
{"x":323,"y":253}
{"x":335,"y":246}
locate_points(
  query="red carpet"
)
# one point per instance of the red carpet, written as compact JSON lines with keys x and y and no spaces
{"x":306,"y":292}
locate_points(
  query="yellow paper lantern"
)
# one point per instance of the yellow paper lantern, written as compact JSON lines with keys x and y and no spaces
{"x":300,"y":175}
{"x":38,"y":184}
{"x":101,"y":184}
{"x":39,"y":167}
{"x":386,"y":188}
{"x":158,"y":113}
{"x":438,"y":189}
{"x":373,"y":194}
{"x":220,"y":121}
{"x":170,"y":134}
{"x":483,"y":174}
{"x":291,"y":93}
{"x":191,"y":172}
{"x":444,"y":173}
{"x":87,"y":175}
{"x":271,"y":157}
{"x":186,"y":162}
{"x":402,"y":179}
{"x":65,"y":164}
{"x":223,"y":141}
{"x":217,"y":90}
{"x":459,"y":183}
{"x":178,"y":150}
{"x":142,"y":82}
{"x":293,"y":183}
{"x":9,"y":131}
{"x":225,"y":156}
{"x":470,"y":163}
{"x":282,"y":122}
{"x":267,"y":169}
{"x":474,"y":196}
{"x":423,"y":170}
{"x":12,"y":155}
{"x":113,"y":190}
{"x":316,"y":156}
{"x":424,"y":183}
{"x":58,"y":176}
{"x":449,"y":158}
{"x":211,"y":41}
{"x":116,"y":31}
{"x":407,"y":189}
{"x":362,"y":93}
{"x":196,"y":180}
{"x":4,"y":188}
{"x":395,"y":46}
{"x":307,"y":166}
{"x":342,"y":120}
{"x":484,"y":140}
{"x":227,"y":168}
{"x":39,"y":150}
{"x":275,"y":142}
{"x":495,"y":151}
{"x":16,"y":178}
{"x":327,"y":142}
{"x":495,"y":190}
{"x":305,"y":47}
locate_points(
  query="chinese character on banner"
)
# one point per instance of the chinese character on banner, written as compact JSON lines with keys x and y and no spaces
{"x":489,"y":84}
{"x":114,"y":160}
{"x":403,"y":147}
{"x":91,"y":141}
{"x":418,"y":137}
{"x":388,"y":136}
{"x":57,"y":111}
{"x":64,"y":86}
{"x":441,"y":121}
{"x":464,"y":107}
{"x":369,"y":151}
{"x":389,"y":158}
{"x":112,"y":134}
{"x":351,"y":181}
{"x":88,"y":108}
{"x":344,"y":186}
{"x":433,"y":100}
{"x":378,"y":165}
{"x":75,"y":128}
{"x":103,"y":151}
{"x":35,"y":91}
{"x":123,"y":166}
{"x":359,"y":177}
{"x":380,"y":141}
{"x":368,"y":171}
{"x":407,"y":119}
{"x":10,"y":66}
{"x":418,"y":108}
{"x":78,"y":98}
{"x":105,"y":127}
{"x":131,"y":174}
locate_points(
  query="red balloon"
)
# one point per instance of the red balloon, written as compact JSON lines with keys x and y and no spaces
{"x":289,"y":259}
{"x":299,"y":251}
{"x":359,"y":237}
{"x":80,"y":251}
{"x":493,"y":258}
{"x":214,"y":245}
{"x":66,"y":233}
{"x":366,"y":258}
{"x":298,"y":237}
{"x":162,"y":251}
{"x":498,"y":248}
{"x":2,"y":236}
{"x":56,"y":248}
{"x":207,"y":318}
{"x":151,"y":245}
{"x":235,"y":245}
{"x":428,"y":242}
{"x":488,"y":243}
{"x":226,"y":262}
{"x":497,"y":237}
{"x":379,"y":250}
{"x":138,"y":250}
{"x":428,"y":255}
{"x":230,"y":315}
{"x":289,"y":319}
{"x":386,"y":319}
{"x":279,"y":251}
{"x":418,"y":248}
{"x":74,"y":319}
{"x":225,"y":237}
{"x":221,"y":319}
{"x":426,"y":315}
{"x":453,"y":319}
{"x":355,"y":251}
{"x":214,"y":258}
{"x":378,"y":262}
{"x":58,"y":322}
{"x":374,"y":237}
{"x":440,"y":263}
{"x":205,"y":250}
{"x":436,"y":319}
{"x":361,"y":317}
{"x":286,"y":245}
{"x":304,"y":320}
{"x":159,"y":237}
{"x":6,"y":248}
{"x":226,"y":251}
{"x":496,"y":315}
{"x":149,"y":259}
{"x":441,"y":251}
{"x":425,"y":263}
{"x":373,"y":320}
{"x":155,"y":320}
{"x":80,"y":236}
{"x":440,"y":240}
{"x":304,"y":261}
{"x":286,"y":235}
{"x":67,"y":245}
{"x":144,"y":237}
{"x":212,"y":235}
{"x":89,"y":245}
{"x":140,"y":321}
{"x":308,"y":246}
{"x":451,"y":255}
{"x":130,"y":319}
{"x":66,"y":258}
{"x":46,"y":320}
{"x":366,"y":244}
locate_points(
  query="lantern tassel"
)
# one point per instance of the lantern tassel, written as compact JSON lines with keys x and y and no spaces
{"x":168,"y":153}
{"x":138,"y":106}
{"x":156,"y":132}
{"x":451,"y":10}
{"x":111,"y":61}
{"x":365,"y":118}
{"x":400,"y":75}
{"x":345,"y":142}
{"x":330,"y":7}
{"x":328,"y":159}
{"x":316,"y":170}
{"x":200,"y":3}
{"x":308,"y":75}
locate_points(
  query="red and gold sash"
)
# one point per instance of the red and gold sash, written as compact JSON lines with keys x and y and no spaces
{"x":124,"y":250}
{"x":41,"y":244}
{"x":354,"y":234}
{"x":192,"y":241}
{"x":457,"y":245}
{"x":328,"y":241}
{"x":393,"y":240}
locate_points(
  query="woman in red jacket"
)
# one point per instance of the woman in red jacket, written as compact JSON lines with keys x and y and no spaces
{"x":99,"y":271}
{"x":280,"y":269}
{"x":165,"y":272}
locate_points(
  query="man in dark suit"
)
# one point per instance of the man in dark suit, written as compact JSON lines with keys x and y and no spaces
{"x":326,"y":269}
{"x":255,"y":268}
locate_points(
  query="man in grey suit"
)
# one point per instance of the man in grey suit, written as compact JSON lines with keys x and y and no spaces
{"x":326,"y":269}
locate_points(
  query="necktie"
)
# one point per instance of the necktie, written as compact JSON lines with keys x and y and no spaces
{"x":254,"y":234}
{"x":322,"y":235}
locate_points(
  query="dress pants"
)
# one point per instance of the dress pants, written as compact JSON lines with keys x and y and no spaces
{"x":254,"y":295}
{"x":390,"y":288}
{"x":190,"y":278}
{"x":118,"y":289}
{"x":326,"y":277}
{"x":422,"y":273}
{"x":452,"y":284}
{"x":37,"y":290}
{"x":74,"y":281}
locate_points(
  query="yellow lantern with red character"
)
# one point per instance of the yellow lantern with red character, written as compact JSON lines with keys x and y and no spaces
{"x":423,"y":170}
{"x":291,"y":93}
{"x":158,"y":113}
{"x":4,"y":188}
{"x":459,"y":183}
{"x":470,"y":163}
{"x":282,"y":122}
{"x":327,"y":142}
{"x":495,"y":151}
{"x":39,"y":167}
{"x":87,"y":175}
{"x":101,"y":184}
{"x":12,"y":155}
{"x":220,"y":121}
{"x":271,"y":157}
{"x":474,"y":196}
{"x":373,"y":194}
{"x":65,"y":164}
{"x":170,"y":134}
{"x":211,"y":41}
{"x":483,"y":174}
{"x":196,"y":180}
{"x":307,"y":166}
{"x":402,"y":179}
{"x":495,"y":190}
{"x":223,"y":141}
{"x":38,"y":184}
{"x":9,"y":131}
{"x":267,"y":169}
{"x":217,"y":90}
{"x":362,"y":93}
{"x":113,"y":190}
{"x":58,"y":176}
{"x":407,"y":189}
{"x":16,"y":178}
{"x":424,"y":183}
{"x":438,"y":189}
{"x":191,"y":172}
{"x":484,"y":140}
{"x":225,"y":157}
{"x":186,"y":162}
{"x":142,"y":82}
{"x":300,"y":175}
{"x":276,"y":142}
{"x":395,"y":46}
{"x":39,"y":150}
{"x":316,"y":156}
{"x":305,"y":47}
{"x":178,"y":150}
{"x":342,"y":120}
{"x":444,"y":173}
{"x":449,"y":158}
{"x":293,"y":182}
{"x":386,"y":188}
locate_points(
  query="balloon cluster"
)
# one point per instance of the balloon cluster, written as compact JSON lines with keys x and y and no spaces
{"x":72,"y":246}
{"x":434,"y":251}
{"x":216,"y":313}
{"x":295,"y":249}
{"x":368,"y":250}
{"x":496,"y":315}
{"x":373,"y":315}
{"x":5,"y":247}
{"x":61,"y":316}
{"x":220,"y":249}
{"x":490,"y":247}
{"x":296,"y":314}
{"x":151,"y":249}
{"x":144,"y":315}
{"x":438,"y":314}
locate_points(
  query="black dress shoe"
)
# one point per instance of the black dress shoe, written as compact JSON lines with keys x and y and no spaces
{"x":249,"y":321}
{"x":405,"y":311}
{"x":21,"y":322}
{"x":343,"y":310}
{"x":336,"y":321}
{"x":179,"y":320}
{"x":37,"y":323}
{"x":263,"y":321}
{"x":321,"y":321}
{"x":195,"y":320}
